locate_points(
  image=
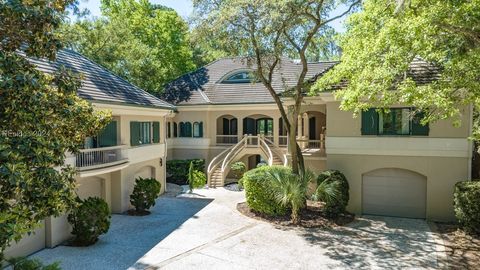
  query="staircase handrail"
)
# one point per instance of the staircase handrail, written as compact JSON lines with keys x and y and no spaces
{"x":278,"y":151}
{"x":235,"y":149}
{"x":264,"y":146}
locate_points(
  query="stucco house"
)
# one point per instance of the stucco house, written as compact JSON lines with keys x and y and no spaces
{"x":132,"y":145}
{"x":394,"y":165}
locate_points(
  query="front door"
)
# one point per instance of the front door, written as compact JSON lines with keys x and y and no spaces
{"x":249,"y":126}
{"x":312,"y":131}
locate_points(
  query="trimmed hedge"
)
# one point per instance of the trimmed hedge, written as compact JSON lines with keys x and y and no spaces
{"x":259,"y":193}
{"x":467,"y":205}
{"x":177,"y":170}
{"x":341,"y":202}
{"x":144,"y":193}
{"x":90,"y":219}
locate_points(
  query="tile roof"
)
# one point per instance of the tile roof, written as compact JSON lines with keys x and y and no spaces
{"x":99,"y":84}
{"x":205,"y":85}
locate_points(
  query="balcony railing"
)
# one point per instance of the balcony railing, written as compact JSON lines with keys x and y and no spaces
{"x":227,"y":139}
{"x":95,"y":158}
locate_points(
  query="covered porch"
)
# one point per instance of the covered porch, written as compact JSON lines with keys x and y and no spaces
{"x":230,"y":129}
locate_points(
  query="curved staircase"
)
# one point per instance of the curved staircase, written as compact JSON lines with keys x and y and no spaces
{"x":220,"y":165}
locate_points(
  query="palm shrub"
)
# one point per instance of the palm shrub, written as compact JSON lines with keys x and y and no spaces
{"x":144,"y":193}
{"x":259,"y":191}
{"x":333,"y":190}
{"x":89,"y":220}
{"x":196,"y":178}
{"x":290,"y":190}
{"x":467,"y":205}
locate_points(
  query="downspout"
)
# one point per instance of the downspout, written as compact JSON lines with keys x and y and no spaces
{"x":470,"y":143}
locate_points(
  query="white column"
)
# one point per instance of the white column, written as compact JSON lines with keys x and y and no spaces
{"x":276,"y":129}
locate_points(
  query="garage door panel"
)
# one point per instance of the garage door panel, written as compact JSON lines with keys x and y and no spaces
{"x":394,"y":192}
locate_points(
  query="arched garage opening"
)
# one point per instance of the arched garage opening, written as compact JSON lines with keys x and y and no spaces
{"x":394,"y":192}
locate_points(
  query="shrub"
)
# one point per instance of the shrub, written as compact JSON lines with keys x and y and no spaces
{"x":196,"y":179}
{"x":259,"y":193}
{"x":238,"y":168}
{"x":467,"y":205}
{"x":290,"y":190}
{"x":22,"y":263}
{"x":332,"y":189}
{"x":177,"y":169}
{"x":90,"y":219}
{"x":144,"y":193}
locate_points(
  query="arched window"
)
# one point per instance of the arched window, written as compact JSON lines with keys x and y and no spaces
{"x":240,"y":77}
{"x":188,"y":129}
{"x":169,"y":131}
{"x":175,"y":130}
{"x":198,"y":129}
{"x":182,"y":129}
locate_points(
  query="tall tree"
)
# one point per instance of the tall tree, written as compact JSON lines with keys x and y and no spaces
{"x":144,"y":43}
{"x":41,"y":118}
{"x":265,"y":31}
{"x":387,"y":35}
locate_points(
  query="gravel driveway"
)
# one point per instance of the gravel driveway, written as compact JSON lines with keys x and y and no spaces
{"x":202,"y":233}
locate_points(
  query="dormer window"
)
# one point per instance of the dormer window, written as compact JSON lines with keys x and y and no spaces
{"x":240,"y":77}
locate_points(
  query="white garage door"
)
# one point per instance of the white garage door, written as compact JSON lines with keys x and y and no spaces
{"x":90,"y":187}
{"x":394,"y":192}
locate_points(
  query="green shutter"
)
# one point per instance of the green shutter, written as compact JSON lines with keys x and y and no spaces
{"x":200,"y":126}
{"x":417,"y":128}
{"x":134,"y":133}
{"x":226,"y":126}
{"x":175,"y":130}
{"x":188,"y":129}
{"x":182,"y":129}
{"x":156,"y":132}
{"x":370,"y":122}
{"x":108,"y":136}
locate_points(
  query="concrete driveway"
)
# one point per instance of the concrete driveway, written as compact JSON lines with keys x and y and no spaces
{"x":187,"y":233}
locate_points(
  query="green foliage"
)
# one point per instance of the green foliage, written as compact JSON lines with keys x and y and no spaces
{"x":144,"y":193}
{"x":238,"y":168}
{"x":290,"y":190}
{"x":259,"y":191}
{"x":89,"y":220}
{"x":144,"y":43}
{"x":333,"y":190}
{"x":22,"y":263}
{"x":383,"y":39}
{"x":196,"y":179}
{"x":41,"y":119}
{"x":467,"y":205}
{"x":177,"y":169}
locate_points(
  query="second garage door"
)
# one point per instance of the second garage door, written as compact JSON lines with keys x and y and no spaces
{"x":394,"y":192}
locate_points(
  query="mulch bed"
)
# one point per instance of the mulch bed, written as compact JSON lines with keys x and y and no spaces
{"x":133,"y":212}
{"x":463,"y":250}
{"x":311,"y":217}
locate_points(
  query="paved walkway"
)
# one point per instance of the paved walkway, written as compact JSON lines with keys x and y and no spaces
{"x":201,"y":233}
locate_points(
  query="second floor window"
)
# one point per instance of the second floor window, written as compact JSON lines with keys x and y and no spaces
{"x":396,"y":121}
{"x":142,"y":133}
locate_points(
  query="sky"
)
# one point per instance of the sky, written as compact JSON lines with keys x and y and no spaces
{"x":184,"y":8}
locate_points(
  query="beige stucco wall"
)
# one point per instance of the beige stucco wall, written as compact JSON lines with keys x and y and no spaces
{"x":343,"y":124}
{"x":441,"y":172}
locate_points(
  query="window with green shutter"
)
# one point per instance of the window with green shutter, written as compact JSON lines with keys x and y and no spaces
{"x":198,"y":130}
{"x":108,"y":136}
{"x":188,"y":129}
{"x":370,"y":122}
{"x":201,"y":129}
{"x":135,"y":133}
{"x":417,"y":128}
{"x":395,"y":121}
{"x":156,"y":132}
{"x":175,"y":130}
